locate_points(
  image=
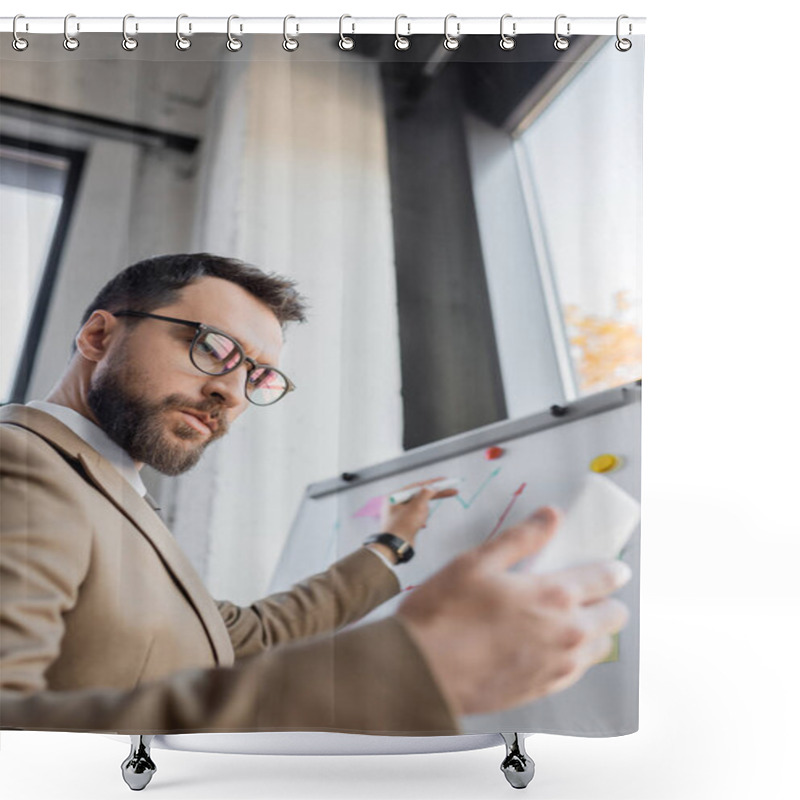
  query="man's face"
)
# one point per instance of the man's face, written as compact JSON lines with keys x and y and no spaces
{"x":149,"y":397}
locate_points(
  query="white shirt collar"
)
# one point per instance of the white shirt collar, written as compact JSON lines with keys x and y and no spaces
{"x":97,"y":438}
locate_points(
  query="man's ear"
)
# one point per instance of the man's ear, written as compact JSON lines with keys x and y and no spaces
{"x":94,"y":338}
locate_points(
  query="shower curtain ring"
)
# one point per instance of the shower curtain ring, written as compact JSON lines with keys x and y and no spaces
{"x":623,"y":45}
{"x":401,"y":42}
{"x":561,"y":43}
{"x":451,"y":42}
{"x":346,"y":42}
{"x":18,"y":43}
{"x":233,"y":44}
{"x":507,"y":42}
{"x":181,"y":42}
{"x":129,"y":42}
{"x":290,"y":44}
{"x":70,"y":42}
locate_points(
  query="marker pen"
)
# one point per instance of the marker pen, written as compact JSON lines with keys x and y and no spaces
{"x":405,"y":495}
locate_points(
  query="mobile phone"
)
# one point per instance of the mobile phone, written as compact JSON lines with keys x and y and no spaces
{"x":596,"y":527}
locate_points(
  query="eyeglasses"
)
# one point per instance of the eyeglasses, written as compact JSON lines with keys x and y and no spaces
{"x":216,"y":353}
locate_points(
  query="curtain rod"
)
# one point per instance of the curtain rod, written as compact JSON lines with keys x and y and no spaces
{"x":347,"y":25}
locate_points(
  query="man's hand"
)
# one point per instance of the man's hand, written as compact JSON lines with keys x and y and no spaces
{"x":495,"y":639}
{"x":406,"y":519}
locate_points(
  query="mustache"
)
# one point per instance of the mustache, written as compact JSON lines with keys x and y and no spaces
{"x":213,"y":408}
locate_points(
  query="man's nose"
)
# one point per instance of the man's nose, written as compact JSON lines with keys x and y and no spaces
{"x":229,"y":388}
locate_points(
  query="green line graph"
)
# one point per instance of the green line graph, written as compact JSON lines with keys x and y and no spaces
{"x":463,"y":502}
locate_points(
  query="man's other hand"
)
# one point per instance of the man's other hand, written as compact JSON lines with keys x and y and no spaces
{"x":496,"y":639}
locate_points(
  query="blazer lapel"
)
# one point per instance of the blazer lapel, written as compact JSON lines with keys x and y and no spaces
{"x":118,"y":491}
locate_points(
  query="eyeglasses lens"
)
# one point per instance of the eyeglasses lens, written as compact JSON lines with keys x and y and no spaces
{"x":216,"y":354}
{"x":265,"y":386}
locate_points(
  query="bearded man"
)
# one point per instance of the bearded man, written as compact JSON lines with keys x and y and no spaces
{"x":105,"y":625}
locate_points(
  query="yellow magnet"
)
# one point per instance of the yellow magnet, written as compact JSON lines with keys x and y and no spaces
{"x":605,"y":463}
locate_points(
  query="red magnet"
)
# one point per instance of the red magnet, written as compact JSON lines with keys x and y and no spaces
{"x":492,"y":453}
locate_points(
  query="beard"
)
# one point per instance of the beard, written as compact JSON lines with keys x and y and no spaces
{"x":138,"y":425}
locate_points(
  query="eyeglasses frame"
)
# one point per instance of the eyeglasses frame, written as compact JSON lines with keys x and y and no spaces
{"x":200,"y":329}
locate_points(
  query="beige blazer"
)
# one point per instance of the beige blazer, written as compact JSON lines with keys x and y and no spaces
{"x":106,"y":626}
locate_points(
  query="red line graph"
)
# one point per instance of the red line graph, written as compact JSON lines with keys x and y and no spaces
{"x":508,"y":508}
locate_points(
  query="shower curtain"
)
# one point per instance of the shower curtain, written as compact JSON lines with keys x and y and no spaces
{"x":464,"y":226}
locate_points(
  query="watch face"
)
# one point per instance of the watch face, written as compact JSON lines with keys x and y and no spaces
{"x":401,"y":548}
{"x":404,"y":552}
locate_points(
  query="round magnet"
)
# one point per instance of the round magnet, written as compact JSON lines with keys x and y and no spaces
{"x":492,"y":453}
{"x":605,"y":463}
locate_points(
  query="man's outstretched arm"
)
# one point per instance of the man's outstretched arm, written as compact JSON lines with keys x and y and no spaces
{"x":325,"y":602}
{"x":342,"y":594}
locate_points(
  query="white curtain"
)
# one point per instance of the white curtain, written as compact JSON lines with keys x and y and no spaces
{"x":296,"y":181}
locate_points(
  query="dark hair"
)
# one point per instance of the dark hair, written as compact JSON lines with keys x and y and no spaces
{"x":156,"y":282}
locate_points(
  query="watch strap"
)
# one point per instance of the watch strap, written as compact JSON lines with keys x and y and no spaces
{"x":400,"y":547}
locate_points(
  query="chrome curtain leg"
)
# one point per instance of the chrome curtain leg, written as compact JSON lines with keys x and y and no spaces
{"x":517,"y":766}
{"x":138,"y":768}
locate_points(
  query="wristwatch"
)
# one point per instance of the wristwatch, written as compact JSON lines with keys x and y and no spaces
{"x":400,"y":547}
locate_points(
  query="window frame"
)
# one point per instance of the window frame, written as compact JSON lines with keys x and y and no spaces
{"x":525,"y":117}
{"x":30,"y":343}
